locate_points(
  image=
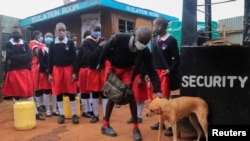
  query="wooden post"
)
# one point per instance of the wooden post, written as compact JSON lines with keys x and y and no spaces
{"x":1,"y":63}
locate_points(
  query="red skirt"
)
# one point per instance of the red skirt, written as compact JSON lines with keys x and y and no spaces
{"x":35,"y":75}
{"x":124,"y":74}
{"x":150,"y":90}
{"x":18,"y":83}
{"x":62,"y":80}
{"x":43,"y":82}
{"x":140,"y":93}
{"x":164,"y":83}
{"x":95,"y":80}
{"x":82,"y":80}
{"x":107,"y":69}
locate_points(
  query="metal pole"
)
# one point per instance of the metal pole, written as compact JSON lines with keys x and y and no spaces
{"x":189,"y":23}
{"x":246,"y":31}
{"x":208,"y":21}
{"x":1,"y":63}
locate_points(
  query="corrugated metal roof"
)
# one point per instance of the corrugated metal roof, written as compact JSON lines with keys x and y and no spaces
{"x":233,"y":29}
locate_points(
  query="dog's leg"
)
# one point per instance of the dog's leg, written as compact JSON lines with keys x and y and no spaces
{"x":202,"y":117}
{"x":195,"y":120}
{"x":160,"y":127}
{"x":174,"y":127}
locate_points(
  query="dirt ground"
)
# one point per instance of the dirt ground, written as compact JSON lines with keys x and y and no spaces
{"x":49,"y":130}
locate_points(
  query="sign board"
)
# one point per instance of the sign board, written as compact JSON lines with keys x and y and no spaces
{"x":221,"y":76}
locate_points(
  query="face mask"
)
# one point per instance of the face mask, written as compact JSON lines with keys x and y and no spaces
{"x":156,"y":31}
{"x":96,"y":34}
{"x":139,"y":45}
{"x":61,"y":35}
{"x":40,"y":39}
{"x":16,"y":37}
{"x":48,"y":40}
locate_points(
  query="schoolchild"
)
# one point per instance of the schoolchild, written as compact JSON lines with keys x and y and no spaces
{"x":18,"y":80}
{"x":63,"y":71}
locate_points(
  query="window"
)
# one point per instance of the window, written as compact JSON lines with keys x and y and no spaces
{"x":126,"y":26}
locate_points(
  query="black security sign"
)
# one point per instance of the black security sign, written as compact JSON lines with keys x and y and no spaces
{"x":220,"y":75}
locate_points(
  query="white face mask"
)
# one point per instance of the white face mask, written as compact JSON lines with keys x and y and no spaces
{"x":40,"y":39}
{"x":139,"y":45}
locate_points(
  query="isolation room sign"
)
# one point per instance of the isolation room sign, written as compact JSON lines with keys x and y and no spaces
{"x":220,"y":75}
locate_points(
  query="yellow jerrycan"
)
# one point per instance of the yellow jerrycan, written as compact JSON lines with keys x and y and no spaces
{"x":67,"y":107}
{"x":24,"y":115}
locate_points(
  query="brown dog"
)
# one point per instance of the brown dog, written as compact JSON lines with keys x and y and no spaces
{"x":176,"y":109}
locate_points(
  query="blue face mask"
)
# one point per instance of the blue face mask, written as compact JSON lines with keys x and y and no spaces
{"x":48,"y":40}
{"x":96,"y":34}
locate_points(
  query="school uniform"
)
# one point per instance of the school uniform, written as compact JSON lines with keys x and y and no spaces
{"x":18,"y":80}
{"x":43,"y":56}
{"x":95,"y":80}
{"x":62,"y":64}
{"x":92,"y":51}
{"x":169,"y":48}
{"x":83,"y":71}
{"x":35,"y":62}
{"x":123,"y":60}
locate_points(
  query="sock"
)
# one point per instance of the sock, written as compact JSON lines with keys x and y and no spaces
{"x":84,"y":105}
{"x":54,"y":103}
{"x":88,"y":105}
{"x":42,"y":100}
{"x":95,"y":106}
{"x":105,"y":123}
{"x":38,"y":101}
{"x":32,"y":99}
{"x":90,"y":98}
{"x":104,"y":103}
{"x":73,"y":107}
{"x":140,"y":106}
{"x":15,"y":100}
{"x":135,"y":126}
{"x":169,"y":125}
{"x":60,"y":107}
{"x":47,"y":102}
{"x":78,"y":95}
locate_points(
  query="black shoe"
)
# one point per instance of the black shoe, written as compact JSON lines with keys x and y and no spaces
{"x":137,"y":135}
{"x":130,"y":121}
{"x":87,"y":115}
{"x":156,"y":126}
{"x":139,"y":120}
{"x":55,"y":113}
{"x":41,"y":109}
{"x":108,"y":130}
{"x":61,"y":119}
{"x":91,"y":113}
{"x":169,"y":132}
{"x":39,"y":117}
{"x":75,"y":119}
{"x":94,"y":119}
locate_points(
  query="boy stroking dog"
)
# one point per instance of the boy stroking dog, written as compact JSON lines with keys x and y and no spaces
{"x":175,"y":109}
